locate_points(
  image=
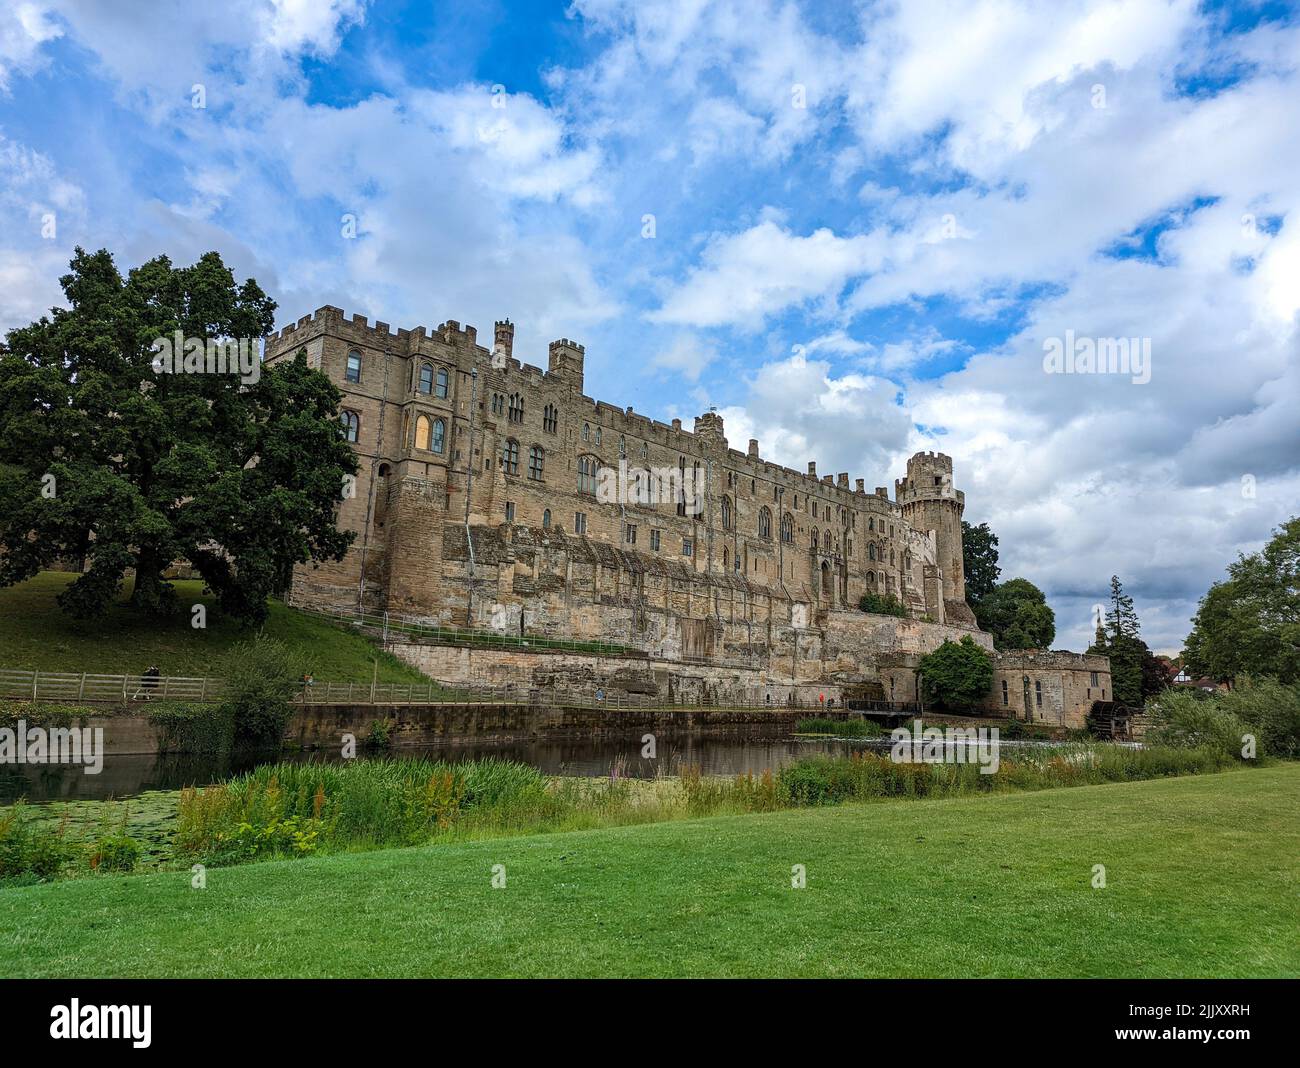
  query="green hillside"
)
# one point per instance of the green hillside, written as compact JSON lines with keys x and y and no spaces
{"x":35,"y":634}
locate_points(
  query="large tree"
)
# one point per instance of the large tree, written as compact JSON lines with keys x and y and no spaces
{"x":979,"y":551}
{"x":957,"y":676}
{"x":1249,"y":624}
{"x":1134,"y":673}
{"x":108,"y":459}
{"x":1018,"y":616}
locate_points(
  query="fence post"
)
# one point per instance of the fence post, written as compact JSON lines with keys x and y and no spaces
{"x":35,"y":676}
{"x":385,"y":626}
{"x":166,"y":680}
{"x":123,"y":687}
{"x":81,"y":690}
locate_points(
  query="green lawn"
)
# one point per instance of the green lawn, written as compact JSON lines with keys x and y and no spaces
{"x":36,"y":635}
{"x":1202,"y":879}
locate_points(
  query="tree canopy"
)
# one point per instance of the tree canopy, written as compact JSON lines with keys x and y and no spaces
{"x":1249,"y":623}
{"x":958,"y":675}
{"x":111,"y":460}
{"x":1135,"y":672}
{"x":979,"y":550}
{"x":1018,"y":616}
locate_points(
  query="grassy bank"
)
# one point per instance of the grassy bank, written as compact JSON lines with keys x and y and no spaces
{"x":35,"y":635}
{"x":297,"y":810}
{"x":1201,"y":878}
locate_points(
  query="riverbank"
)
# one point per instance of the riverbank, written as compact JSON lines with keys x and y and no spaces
{"x":299,"y":809}
{"x":1200,"y":878}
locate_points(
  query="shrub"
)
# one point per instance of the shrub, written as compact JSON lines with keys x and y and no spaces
{"x":380,"y":735}
{"x":1270,"y":710}
{"x":883,"y":604}
{"x":262,"y":675}
{"x":29,"y":848}
{"x":1180,"y":720}
{"x":115,"y":853}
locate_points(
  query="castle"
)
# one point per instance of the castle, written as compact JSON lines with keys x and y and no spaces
{"x":484,"y":499}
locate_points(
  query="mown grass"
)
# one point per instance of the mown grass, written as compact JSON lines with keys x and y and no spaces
{"x":36,"y":635}
{"x":1201,"y":880}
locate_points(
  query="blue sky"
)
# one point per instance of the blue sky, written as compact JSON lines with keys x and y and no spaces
{"x":866,"y":219}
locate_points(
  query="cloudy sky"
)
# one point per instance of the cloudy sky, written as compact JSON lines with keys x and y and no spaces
{"x":851,"y":227}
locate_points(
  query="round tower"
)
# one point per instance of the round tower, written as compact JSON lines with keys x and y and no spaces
{"x":930,"y":502}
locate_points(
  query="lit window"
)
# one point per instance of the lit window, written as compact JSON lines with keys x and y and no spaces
{"x":423,"y":431}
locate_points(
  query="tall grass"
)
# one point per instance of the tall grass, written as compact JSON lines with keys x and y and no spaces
{"x":296,"y":809}
{"x":841,"y":728}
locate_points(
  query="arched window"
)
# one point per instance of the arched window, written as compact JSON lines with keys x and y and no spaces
{"x":871,"y":552}
{"x":423,"y":430}
{"x":726,"y":558}
{"x":510,"y":457}
{"x":587,"y":468}
{"x":353,"y":372}
{"x":426,"y":378}
{"x":586,"y":431}
{"x":546,"y":519}
{"x":498,"y":403}
{"x":871,"y":581}
{"x":816,"y":538}
{"x":907,"y":560}
{"x":726,"y":513}
{"x":787,"y":528}
{"x":764,"y":522}
{"x":550,"y":418}
{"x":440,"y":389}
{"x":536,"y":460}
{"x":597,"y":435}
{"x":516,"y":407}
{"x":351,"y":424}
{"x":439,"y":436}
{"x":826,"y":541}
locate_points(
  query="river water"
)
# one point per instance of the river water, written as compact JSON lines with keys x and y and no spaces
{"x":126,"y":776}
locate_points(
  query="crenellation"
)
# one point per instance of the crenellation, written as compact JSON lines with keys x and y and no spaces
{"x":774,"y":562}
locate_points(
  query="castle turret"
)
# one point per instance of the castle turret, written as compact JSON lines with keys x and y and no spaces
{"x":930,"y":502}
{"x":504,"y":340}
{"x":566,"y":358}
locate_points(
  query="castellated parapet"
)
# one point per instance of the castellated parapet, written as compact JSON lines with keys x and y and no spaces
{"x":771,"y":566}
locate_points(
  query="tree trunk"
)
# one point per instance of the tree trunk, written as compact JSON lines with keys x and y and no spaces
{"x":150,"y":593}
